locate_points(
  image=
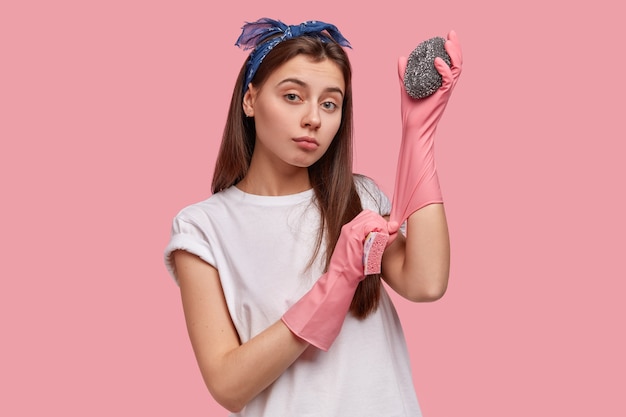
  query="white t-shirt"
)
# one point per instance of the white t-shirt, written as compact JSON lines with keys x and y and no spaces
{"x":261,"y":246}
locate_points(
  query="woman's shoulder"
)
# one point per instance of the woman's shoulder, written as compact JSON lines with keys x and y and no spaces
{"x":208,"y":207}
{"x":366,"y":185}
{"x":372,"y":197}
{"x":364,"y":181}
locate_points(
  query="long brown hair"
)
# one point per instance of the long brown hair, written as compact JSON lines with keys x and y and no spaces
{"x":331,"y":176}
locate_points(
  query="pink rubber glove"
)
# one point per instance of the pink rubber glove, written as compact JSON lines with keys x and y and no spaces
{"x":318,"y":316}
{"x":417,"y":184}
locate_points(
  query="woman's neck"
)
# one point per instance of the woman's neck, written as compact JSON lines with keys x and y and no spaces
{"x":275,"y":182}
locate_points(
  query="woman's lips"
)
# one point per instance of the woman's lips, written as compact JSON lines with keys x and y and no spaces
{"x":307,"y":143}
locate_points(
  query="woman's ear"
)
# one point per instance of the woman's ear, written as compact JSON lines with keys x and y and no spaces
{"x":248,"y":101}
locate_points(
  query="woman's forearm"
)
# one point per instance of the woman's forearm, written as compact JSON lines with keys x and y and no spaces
{"x":418,"y":267}
{"x":233,"y":372}
{"x":244,"y":372}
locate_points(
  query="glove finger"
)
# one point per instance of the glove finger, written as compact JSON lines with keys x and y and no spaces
{"x":363,"y":223}
{"x":453,"y":48}
{"x":446,"y":73}
{"x":402,"y":68}
{"x":371,"y":221}
{"x":392,"y":228}
{"x":404,"y":96}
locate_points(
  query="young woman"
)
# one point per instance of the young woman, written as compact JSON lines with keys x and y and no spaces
{"x":281,"y":317}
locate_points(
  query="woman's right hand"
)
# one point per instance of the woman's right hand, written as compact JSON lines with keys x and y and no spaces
{"x":347,"y":258}
{"x":317,"y":317}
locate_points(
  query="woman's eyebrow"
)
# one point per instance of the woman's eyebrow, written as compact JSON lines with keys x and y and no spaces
{"x":303,"y":84}
{"x":293,"y":80}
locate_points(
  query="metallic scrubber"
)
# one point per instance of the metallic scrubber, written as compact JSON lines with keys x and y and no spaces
{"x":421,"y":78}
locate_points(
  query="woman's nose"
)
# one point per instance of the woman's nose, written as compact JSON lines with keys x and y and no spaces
{"x":311,"y":118}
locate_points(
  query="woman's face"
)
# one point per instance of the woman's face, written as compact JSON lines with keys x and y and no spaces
{"x":297,"y":111}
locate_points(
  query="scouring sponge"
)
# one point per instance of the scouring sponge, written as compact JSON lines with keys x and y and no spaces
{"x":421,"y":78}
{"x":373,"y":248}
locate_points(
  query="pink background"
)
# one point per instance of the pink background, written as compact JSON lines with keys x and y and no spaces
{"x":110,"y":117}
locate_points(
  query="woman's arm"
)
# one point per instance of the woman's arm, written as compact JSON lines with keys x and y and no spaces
{"x":417,"y":267}
{"x":233,"y":372}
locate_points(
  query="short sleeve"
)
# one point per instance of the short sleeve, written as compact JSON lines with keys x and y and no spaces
{"x":372,"y":197}
{"x":187,"y":235}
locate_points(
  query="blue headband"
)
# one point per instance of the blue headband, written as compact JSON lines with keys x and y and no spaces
{"x":254,"y":35}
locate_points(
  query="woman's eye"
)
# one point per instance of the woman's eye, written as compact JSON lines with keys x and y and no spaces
{"x":291,"y":97}
{"x":329,"y":105}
